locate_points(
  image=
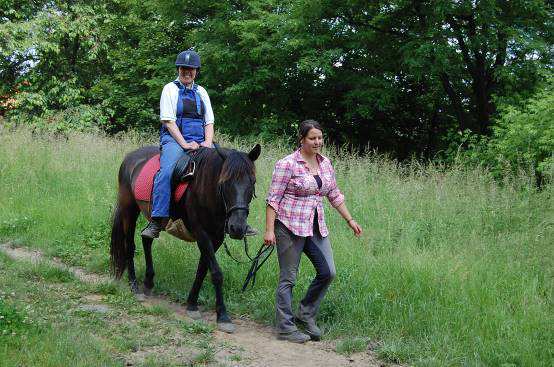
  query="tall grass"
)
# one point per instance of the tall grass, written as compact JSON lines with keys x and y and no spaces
{"x":453,"y":268}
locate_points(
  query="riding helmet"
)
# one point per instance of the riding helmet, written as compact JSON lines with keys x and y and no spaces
{"x":188,"y":58}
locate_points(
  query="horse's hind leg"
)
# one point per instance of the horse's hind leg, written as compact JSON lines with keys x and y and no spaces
{"x":149,"y":274}
{"x":130,"y":238}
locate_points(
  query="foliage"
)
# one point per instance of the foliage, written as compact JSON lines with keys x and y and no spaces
{"x":526,"y":134}
{"x":522,"y":139}
{"x":396,"y":75}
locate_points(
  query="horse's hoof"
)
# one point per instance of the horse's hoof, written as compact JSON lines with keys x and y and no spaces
{"x":147,"y":292}
{"x":134,"y":287}
{"x":226,"y":327}
{"x":195,"y":315}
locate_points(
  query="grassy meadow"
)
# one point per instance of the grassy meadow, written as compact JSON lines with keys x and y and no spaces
{"x":453,"y":268}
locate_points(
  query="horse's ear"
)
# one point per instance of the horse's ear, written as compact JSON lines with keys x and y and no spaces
{"x":255,"y":152}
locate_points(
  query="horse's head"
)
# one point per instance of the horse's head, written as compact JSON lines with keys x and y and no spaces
{"x":236,"y":185}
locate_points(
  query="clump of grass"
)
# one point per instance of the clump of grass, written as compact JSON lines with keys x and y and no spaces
{"x":12,"y":322}
{"x":45,"y":272}
{"x":349,"y":346}
{"x":157,"y":310}
{"x":198,"y":328}
{"x":107,"y":288}
{"x":207,"y":354}
{"x":204,"y":357}
{"x":235,"y":357}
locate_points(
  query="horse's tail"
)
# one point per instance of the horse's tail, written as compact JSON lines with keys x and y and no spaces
{"x":118,"y":248}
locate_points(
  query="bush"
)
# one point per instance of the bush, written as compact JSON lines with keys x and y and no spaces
{"x":522,"y":139}
{"x":526,"y":135}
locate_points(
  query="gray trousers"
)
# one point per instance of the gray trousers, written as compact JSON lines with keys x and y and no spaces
{"x":289,"y":250}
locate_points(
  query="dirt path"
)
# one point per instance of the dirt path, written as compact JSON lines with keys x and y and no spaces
{"x":259,"y":345}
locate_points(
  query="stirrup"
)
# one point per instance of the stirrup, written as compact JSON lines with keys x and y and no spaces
{"x":190,"y":174}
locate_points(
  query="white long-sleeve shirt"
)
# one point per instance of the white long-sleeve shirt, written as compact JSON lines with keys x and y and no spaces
{"x":170,"y":97}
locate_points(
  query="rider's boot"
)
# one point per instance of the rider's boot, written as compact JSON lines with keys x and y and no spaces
{"x":153,"y":228}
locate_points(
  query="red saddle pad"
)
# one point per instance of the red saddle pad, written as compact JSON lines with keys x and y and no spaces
{"x":145,"y":181}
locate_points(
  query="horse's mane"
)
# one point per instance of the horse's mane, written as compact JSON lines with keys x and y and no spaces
{"x":236,"y":165}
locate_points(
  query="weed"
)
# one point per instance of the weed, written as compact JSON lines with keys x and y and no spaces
{"x":352,"y":345}
{"x":199,"y":328}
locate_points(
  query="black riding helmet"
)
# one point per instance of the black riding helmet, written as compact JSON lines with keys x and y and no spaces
{"x":188,"y":58}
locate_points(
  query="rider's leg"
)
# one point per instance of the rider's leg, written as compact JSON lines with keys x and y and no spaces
{"x":170,"y":153}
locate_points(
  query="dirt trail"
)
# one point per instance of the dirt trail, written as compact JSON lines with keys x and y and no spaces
{"x":261,"y":348}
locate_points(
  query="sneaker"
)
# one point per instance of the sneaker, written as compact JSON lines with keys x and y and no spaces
{"x":294,"y":337}
{"x":310,"y":327}
{"x":251,"y":231}
{"x":153,"y":229}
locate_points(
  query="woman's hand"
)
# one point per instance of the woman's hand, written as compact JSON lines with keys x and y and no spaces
{"x":269,"y":238}
{"x":355,"y":227}
{"x":206,"y":144}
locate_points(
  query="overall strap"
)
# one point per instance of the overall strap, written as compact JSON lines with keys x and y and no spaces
{"x":179,"y":112}
{"x":197,"y":98}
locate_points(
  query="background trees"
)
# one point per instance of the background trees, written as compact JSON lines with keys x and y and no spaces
{"x":404,"y":77}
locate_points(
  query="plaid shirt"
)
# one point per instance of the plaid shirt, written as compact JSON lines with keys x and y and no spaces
{"x":295,"y":196}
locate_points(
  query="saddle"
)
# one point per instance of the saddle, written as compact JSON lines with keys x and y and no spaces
{"x":182,"y":174}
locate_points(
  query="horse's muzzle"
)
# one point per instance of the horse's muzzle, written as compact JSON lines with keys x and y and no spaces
{"x":236,"y":232}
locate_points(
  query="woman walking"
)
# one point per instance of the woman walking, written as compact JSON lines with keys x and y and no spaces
{"x":295,"y":223}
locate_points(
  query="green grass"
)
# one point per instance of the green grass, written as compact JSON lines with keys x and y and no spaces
{"x":453,"y":268}
{"x":34,"y":328}
{"x":42,"y":324}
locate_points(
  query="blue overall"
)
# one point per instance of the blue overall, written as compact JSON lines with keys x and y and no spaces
{"x":190,"y":121}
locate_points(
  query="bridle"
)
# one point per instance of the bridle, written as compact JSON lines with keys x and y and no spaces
{"x":264,"y":251}
{"x":237,"y":206}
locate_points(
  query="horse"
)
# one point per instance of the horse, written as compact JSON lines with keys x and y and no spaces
{"x":216,"y":202}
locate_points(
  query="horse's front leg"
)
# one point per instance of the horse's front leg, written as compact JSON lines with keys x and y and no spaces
{"x":207,"y":250}
{"x":192,"y":300}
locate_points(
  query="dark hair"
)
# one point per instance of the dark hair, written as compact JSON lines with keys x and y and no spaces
{"x":305,"y":127}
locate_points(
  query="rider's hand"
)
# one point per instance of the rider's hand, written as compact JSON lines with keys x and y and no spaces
{"x":191,"y":146}
{"x":269,"y":238}
{"x":206,"y":144}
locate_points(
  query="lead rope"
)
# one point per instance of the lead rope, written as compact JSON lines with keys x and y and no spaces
{"x":264,"y":252}
{"x":245,"y":250}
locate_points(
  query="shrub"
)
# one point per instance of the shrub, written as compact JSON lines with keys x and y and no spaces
{"x":522,"y":139}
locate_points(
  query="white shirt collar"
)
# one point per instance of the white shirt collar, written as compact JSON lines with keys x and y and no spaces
{"x":184,"y":86}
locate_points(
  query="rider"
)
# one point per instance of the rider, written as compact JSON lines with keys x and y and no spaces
{"x":187,"y":123}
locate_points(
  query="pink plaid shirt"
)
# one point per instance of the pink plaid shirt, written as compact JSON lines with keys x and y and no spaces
{"x":295,"y":196}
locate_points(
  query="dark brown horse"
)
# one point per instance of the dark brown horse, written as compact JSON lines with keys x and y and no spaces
{"x":216,"y":202}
